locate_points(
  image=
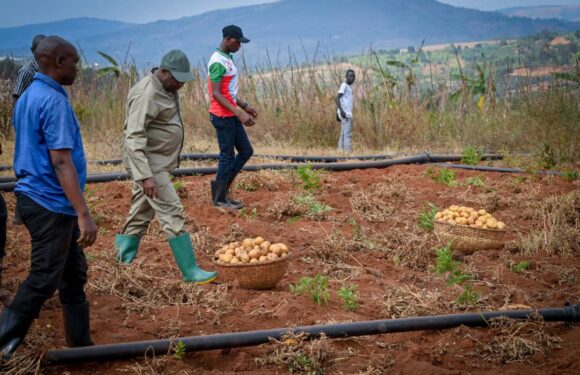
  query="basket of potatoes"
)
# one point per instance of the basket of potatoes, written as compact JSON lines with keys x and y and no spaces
{"x":469,"y":229}
{"x":253,"y":263}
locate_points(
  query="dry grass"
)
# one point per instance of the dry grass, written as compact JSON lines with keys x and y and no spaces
{"x":270,"y":180}
{"x":140,"y":290}
{"x":23,"y":362}
{"x":557,"y":226}
{"x":408,"y":246}
{"x":299,"y":205}
{"x":299,"y":355}
{"x":517,"y":341}
{"x":405,"y":301}
{"x":380,"y":202}
{"x":336,"y":247}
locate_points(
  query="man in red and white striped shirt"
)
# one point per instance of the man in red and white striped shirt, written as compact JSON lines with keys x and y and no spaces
{"x":228,"y":114}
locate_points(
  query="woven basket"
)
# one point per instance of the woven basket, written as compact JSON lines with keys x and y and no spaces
{"x":469,"y":240}
{"x":263,"y":275}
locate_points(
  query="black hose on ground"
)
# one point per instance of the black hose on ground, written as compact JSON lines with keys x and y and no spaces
{"x":293,"y":159}
{"x":8,"y":183}
{"x":111,"y":352}
{"x":484,"y":168}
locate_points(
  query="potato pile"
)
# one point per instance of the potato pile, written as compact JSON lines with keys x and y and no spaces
{"x":460,"y":215}
{"x":251,"y":251}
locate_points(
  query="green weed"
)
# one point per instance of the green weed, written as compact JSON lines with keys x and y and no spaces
{"x":427,"y":218}
{"x":469,"y":296}
{"x":179,"y":350}
{"x":444,"y":176}
{"x":569,"y":175}
{"x":349,"y":297}
{"x":316,"y":287}
{"x":444,"y":262}
{"x":309,"y":177}
{"x":477,"y":181}
{"x":520,"y":267}
{"x":314,"y":206}
{"x":471,"y":156}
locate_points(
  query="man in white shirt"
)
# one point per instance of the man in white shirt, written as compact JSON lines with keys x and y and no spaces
{"x":344,"y":102}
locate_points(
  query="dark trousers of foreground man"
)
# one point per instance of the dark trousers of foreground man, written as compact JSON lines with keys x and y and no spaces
{"x":57,"y":262}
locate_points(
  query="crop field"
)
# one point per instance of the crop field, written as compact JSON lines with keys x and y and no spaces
{"x":361,"y":244}
{"x":361,"y":247}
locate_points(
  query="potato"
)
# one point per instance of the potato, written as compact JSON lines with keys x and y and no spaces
{"x":479,"y":224}
{"x":470,"y":210}
{"x":482,"y":212}
{"x":258,"y":240}
{"x":248,"y":243}
{"x":283,"y":247}
{"x":235,"y":260}
{"x":275,"y":249}
{"x":454,"y":207}
{"x":500,"y":225}
{"x":283,"y":255}
{"x":265,"y":245}
{"x":263,"y":258}
{"x":492,"y":224}
{"x":450,"y":221}
{"x":227,"y":258}
{"x":254,"y":260}
{"x":231,"y":252}
{"x":464,"y":214}
{"x":254,"y":253}
{"x":272,"y":256}
{"x":471,"y":220}
{"x":245,"y":258}
{"x":438,"y":215}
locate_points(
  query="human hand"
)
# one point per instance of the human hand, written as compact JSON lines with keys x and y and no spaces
{"x":150,"y":187}
{"x":252,"y":112}
{"x":88,"y":230}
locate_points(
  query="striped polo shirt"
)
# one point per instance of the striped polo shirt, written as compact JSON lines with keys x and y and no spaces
{"x":221,"y":68}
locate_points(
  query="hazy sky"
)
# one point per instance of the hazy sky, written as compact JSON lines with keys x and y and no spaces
{"x":21,"y":12}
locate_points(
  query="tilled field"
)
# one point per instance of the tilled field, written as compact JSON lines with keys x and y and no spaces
{"x":370,"y":239}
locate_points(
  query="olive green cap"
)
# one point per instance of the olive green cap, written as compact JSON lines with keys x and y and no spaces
{"x":177,"y":63}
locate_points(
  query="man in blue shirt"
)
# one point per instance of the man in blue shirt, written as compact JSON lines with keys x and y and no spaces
{"x":50,"y":164}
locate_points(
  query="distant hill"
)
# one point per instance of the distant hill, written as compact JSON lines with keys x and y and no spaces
{"x":563,"y":12}
{"x":305,"y":27}
{"x":17,"y":39}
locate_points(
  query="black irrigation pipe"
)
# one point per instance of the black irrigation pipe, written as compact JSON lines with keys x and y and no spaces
{"x":293,"y":159}
{"x":128,"y":350}
{"x":8,"y":183}
{"x":484,"y":168}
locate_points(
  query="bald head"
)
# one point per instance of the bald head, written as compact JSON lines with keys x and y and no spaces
{"x":57,"y":58}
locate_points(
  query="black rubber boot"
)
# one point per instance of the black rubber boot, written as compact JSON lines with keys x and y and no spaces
{"x":218,"y":193}
{"x":232,"y":201}
{"x":77,"y":327}
{"x":13,"y":328}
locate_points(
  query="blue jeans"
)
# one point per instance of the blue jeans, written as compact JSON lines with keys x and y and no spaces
{"x":231,"y":136}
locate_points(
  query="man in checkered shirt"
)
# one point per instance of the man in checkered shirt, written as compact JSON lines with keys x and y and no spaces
{"x":26,"y":74}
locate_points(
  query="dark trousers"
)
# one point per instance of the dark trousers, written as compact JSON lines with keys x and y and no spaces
{"x":3,"y":219}
{"x":231,"y":136}
{"x":57,"y":261}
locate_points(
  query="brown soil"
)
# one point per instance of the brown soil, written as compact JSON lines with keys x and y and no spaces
{"x":387,"y":256}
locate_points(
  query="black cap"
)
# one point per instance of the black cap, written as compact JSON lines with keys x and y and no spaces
{"x":233,"y":31}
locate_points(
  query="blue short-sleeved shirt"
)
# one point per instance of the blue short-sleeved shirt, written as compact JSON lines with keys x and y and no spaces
{"x":44,"y":120}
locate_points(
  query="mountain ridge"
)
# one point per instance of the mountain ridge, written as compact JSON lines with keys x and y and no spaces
{"x":304,"y":29}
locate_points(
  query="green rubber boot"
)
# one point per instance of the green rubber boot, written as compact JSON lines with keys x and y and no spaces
{"x":184,"y":254}
{"x":126,"y":248}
